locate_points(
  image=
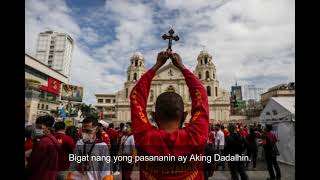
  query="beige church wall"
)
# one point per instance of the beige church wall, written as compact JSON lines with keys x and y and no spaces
{"x":219,"y":108}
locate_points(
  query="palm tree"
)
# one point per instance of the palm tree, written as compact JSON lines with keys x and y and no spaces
{"x":87,"y":110}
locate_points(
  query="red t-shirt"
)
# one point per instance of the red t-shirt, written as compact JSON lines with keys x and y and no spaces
{"x":112,"y":133}
{"x":244,"y":133}
{"x":105,"y":137}
{"x":210,"y":138}
{"x":225,"y":132}
{"x":67,"y":146}
{"x":43,"y":161}
{"x":150,"y":140}
{"x":28,"y":144}
{"x":120,"y":134}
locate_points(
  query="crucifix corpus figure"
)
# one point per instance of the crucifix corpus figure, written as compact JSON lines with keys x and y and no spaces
{"x":170,"y":37}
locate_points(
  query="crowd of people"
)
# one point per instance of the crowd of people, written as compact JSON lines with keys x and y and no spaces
{"x":49,"y":144}
{"x":243,"y":139}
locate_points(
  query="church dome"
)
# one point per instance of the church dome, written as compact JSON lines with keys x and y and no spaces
{"x":204,"y":52}
{"x":138,"y":55}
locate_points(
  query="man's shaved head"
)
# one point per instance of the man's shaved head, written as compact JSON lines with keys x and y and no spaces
{"x":169,"y":106}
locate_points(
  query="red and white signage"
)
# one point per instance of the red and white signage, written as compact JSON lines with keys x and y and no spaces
{"x":52,"y":87}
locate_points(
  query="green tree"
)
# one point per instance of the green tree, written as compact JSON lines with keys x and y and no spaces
{"x":88,"y":110}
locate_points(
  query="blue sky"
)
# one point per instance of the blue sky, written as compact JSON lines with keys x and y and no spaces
{"x":252,"y":41}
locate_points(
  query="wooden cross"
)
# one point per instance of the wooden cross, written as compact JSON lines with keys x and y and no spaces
{"x":170,"y":37}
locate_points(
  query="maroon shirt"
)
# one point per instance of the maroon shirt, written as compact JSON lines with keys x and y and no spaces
{"x":67,"y":146}
{"x":271,"y":137}
{"x":43,"y":163}
{"x":269,"y":140}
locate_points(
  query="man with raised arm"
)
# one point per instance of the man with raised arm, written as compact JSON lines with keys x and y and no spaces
{"x":169,"y":138}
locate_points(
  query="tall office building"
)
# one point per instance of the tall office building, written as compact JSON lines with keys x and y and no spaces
{"x":55,"y":50}
{"x":252,"y":92}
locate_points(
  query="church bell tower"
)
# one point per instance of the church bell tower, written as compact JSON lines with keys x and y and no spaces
{"x":136,"y":68}
{"x":135,"y":71}
{"x":206,"y":72}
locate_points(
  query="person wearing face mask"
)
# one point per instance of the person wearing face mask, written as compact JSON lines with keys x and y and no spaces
{"x":127,"y":149}
{"x":103,"y":135}
{"x":114,"y":147}
{"x":67,"y":144}
{"x":28,"y":143}
{"x":90,"y":146}
{"x":44,"y":150}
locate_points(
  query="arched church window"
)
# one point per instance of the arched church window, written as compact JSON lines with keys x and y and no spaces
{"x":127,"y":92}
{"x":207,"y":74}
{"x":170,"y":73}
{"x":199,"y":75}
{"x":140,"y":63}
{"x":136,"y":63}
{"x":135,"y":76}
{"x":206,"y":60}
{"x":213,"y":75}
{"x":209,"y":90}
{"x":216,"y":90}
{"x":201,"y":61}
{"x":151,"y":95}
{"x":128,"y":77}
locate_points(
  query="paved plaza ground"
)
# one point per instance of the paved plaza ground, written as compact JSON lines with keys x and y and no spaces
{"x":287,"y":171}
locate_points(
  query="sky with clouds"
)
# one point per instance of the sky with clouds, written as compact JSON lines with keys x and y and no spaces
{"x":252,"y":41}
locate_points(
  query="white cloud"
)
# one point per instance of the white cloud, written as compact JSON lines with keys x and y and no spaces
{"x":89,"y":35}
{"x":52,"y":14}
{"x":252,"y":41}
{"x":234,"y":33}
{"x":85,"y":71}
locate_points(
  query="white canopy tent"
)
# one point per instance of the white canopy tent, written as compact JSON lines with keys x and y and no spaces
{"x":280,"y":112}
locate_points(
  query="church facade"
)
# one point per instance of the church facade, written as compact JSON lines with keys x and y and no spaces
{"x":169,"y":78}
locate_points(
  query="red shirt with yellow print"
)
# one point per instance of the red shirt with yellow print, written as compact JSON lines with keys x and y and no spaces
{"x":151,"y":141}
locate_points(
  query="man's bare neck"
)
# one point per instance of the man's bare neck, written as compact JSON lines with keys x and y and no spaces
{"x":170,"y":127}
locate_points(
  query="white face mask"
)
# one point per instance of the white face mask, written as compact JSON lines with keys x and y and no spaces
{"x":37,"y":133}
{"x":87,"y":138}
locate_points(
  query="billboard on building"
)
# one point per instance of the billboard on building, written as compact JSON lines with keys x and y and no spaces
{"x":71,"y":93}
{"x":52,"y":87}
